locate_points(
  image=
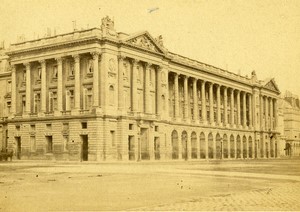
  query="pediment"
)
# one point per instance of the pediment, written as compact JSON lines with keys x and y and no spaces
{"x":271,"y":85}
{"x":146,"y":41}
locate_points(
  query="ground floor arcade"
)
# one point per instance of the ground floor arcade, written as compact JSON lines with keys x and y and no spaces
{"x":98,"y":139}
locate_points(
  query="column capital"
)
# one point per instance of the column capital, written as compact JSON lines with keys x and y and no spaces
{"x":76,"y":58}
{"x":27,"y":65}
{"x":159,"y":68}
{"x":186,"y":77}
{"x":59,"y":60}
{"x":195,"y":80}
{"x":135,"y":61}
{"x":121,"y":57}
{"x":148,"y":64}
{"x":12,"y":68}
{"x":42,"y":61}
{"x":95,"y":55}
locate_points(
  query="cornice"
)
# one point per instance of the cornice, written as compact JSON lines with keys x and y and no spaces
{"x":5,"y":74}
{"x":52,"y":46}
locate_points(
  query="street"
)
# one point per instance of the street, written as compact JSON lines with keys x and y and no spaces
{"x":143,"y":186}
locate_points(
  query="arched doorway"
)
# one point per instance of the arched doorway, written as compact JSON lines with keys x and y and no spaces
{"x":194,"y":145}
{"x":225,"y":146}
{"x":184,"y":145}
{"x":174,"y":145}
{"x":232,"y":148}
{"x":244,"y":147}
{"x":218,"y":147}
{"x":288,"y":149}
{"x":250,"y":150}
{"x":202,"y":146}
{"x":210,"y":146}
{"x":238,"y":146}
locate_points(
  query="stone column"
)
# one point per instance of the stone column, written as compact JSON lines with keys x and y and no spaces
{"x":135,"y":70}
{"x":244,"y":110}
{"x":43,"y":85}
{"x":176,"y":95}
{"x":77,"y":81}
{"x":159,"y":92}
{"x":218,"y":105}
{"x":28,"y":88}
{"x":95,"y":56}
{"x":232,"y":107}
{"x":225,"y":107}
{"x":238,"y":108}
{"x":120,"y":82}
{"x":271,"y":113}
{"x":195,"y":98}
{"x":203,"y":103}
{"x":275,"y":114}
{"x":206,"y":147}
{"x":250,"y":111}
{"x":211,"y":104}
{"x":13,"y":90}
{"x":262,"y":123}
{"x":186,"y":98}
{"x":147,"y":100}
{"x":59,"y":85}
{"x":267,"y":113}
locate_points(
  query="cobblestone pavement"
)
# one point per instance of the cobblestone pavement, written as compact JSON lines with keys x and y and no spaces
{"x":285,"y":198}
{"x":250,"y":185}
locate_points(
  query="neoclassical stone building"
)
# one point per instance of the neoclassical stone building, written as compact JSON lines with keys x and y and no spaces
{"x":98,"y":94}
{"x":291,"y":113}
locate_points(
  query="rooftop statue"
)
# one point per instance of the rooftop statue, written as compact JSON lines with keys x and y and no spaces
{"x":108,"y":26}
{"x":159,"y":40}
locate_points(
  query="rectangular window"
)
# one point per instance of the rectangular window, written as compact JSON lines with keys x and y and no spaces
{"x":49,"y":126}
{"x":113,"y":142}
{"x":32,"y":127}
{"x":84,"y":125}
{"x":52,"y":101}
{"x":130,"y":126}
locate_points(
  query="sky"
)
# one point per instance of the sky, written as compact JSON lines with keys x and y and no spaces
{"x":237,"y":35}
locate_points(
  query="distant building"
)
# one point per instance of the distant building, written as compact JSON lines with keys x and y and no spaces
{"x":291,"y":113}
{"x":98,"y":94}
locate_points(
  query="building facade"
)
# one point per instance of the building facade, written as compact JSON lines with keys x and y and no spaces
{"x":291,"y":112}
{"x":98,"y":94}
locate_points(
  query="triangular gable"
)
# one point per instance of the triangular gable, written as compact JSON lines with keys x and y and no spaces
{"x":271,"y":85}
{"x":146,"y":41}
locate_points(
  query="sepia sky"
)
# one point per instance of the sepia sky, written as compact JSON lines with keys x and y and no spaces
{"x":237,"y":35}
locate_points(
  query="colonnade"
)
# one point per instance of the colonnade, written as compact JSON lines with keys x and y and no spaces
{"x":203,"y":101}
{"x":217,"y":104}
{"x":43,"y":88}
